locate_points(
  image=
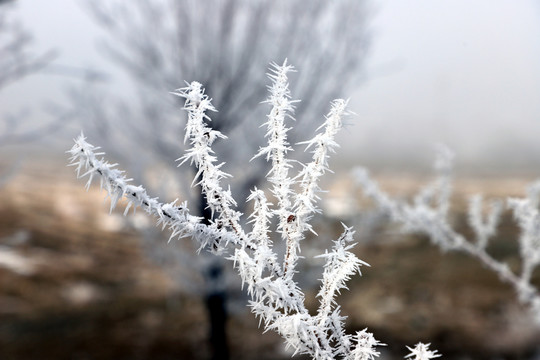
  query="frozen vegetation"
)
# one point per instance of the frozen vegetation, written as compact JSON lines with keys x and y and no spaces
{"x":276,"y":298}
{"x":428,"y":214}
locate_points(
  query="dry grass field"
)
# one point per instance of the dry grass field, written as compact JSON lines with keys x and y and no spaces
{"x":74,"y":283}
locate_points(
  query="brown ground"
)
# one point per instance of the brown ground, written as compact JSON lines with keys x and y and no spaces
{"x":75,"y":285}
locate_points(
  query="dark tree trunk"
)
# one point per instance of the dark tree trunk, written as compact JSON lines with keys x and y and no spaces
{"x":215,"y":304}
{"x":216,"y":298}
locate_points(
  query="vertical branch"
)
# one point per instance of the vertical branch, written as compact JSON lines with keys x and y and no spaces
{"x":484,"y":228}
{"x":276,"y":151}
{"x":528,"y":218}
{"x":259,"y":238}
{"x":201,"y":138}
{"x":323,"y":144}
{"x":444,"y":167}
{"x":340,"y":265}
{"x":277,"y":148}
{"x":260,"y":217}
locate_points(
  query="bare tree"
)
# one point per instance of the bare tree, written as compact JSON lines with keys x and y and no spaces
{"x":226,"y":45}
{"x":17,"y":61}
{"x":223,"y":44}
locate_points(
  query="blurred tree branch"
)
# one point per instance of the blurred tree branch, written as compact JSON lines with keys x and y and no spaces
{"x":223,"y":44}
{"x":17,"y":61}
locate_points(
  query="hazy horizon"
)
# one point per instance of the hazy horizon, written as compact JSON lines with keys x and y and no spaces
{"x":460,"y":73}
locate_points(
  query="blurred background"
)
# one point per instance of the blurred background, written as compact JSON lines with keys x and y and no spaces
{"x":78,"y":283}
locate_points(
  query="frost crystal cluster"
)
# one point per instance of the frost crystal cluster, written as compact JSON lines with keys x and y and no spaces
{"x":275,"y":296}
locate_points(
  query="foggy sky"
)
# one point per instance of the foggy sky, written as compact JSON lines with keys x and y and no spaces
{"x":463,"y":73}
{"x":460,"y":72}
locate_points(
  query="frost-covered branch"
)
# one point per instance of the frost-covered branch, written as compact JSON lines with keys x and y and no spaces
{"x":173,"y":215}
{"x":323,"y":144}
{"x":428,"y":214}
{"x":275,"y":296}
{"x":201,"y":138}
{"x":276,"y":152}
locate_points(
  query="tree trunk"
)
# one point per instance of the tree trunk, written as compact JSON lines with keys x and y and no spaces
{"x":216,"y":297}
